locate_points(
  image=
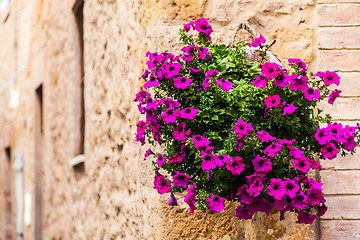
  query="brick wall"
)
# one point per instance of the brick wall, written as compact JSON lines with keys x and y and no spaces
{"x":339,"y":50}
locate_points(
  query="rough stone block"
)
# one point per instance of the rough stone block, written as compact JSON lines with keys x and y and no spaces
{"x":339,"y":60}
{"x":340,"y":182}
{"x":343,"y":108}
{"x":340,"y":207}
{"x":339,"y":37}
{"x":349,"y":84}
{"x":339,"y":14}
{"x":340,"y":229}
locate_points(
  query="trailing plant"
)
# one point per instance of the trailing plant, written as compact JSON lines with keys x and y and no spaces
{"x":231,"y":129}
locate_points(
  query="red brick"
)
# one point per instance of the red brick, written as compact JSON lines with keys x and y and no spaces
{"x":339,"y":60}
{"x":343,"y":108}
{"x":349,"y":84}
{"x":339,"y":14}
{"x":340,"y":207}
{"x":348,"y":162}
{"x":340,"y":182}
{"x":339,"y":37}
{"x":340,"y":229}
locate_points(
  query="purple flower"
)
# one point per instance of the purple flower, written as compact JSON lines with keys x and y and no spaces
{"x":148,"y":153}
{"x":200,"y":141}
{"x":190,"y":197}
{"x":336,"y":131}
{"x":262,"y":205}
{"x":273,"y":149}
{"x":322,"y":135}
{"x":258,"y":41}
{"x":289,"y":109}
{"x":203,"y":53}
{"x":215,"y":203}
{"x":329,"y":151}
{"x":311,"y":94}
{"x":160,"y":183}
{"x":208,"y":162}
{"x":225,"y":85}
{"x":291,"y":188}
{"x":299,"y":201}
{"x":282,"y":79}
{"x":276,"y":188}
{"x":297,"y":82}
{"x":171,"y":69}
{"x":302,"y":164}
{"x":140,"y":96}
{"x":182,"y":82}
{"x":242,"y":128}
{"x":270,"y":70}
{"x":255,"y":182}
{"x":170,"y":115}
{"x":188,"y":113}
{"x":202,"y":26}
{"x":239,"y":145}
{"x":297,"y":62}
{"x":180,"y":133}
{"x":262,"y":164}
{"x":272,"y":101}
{"x":260,"y":82}
{"x":221,"y":159}
{"x":305,"y":217}
{"x":172,"y":201}
{"x":208,"y":74}
{"x":314,"y":196}
{"x":161,"y":160}
{"x":329,"y":77}
{"x":188,"y":26}
{"x":196,"y":88}
{"x":243,"y":213}
{"x":188,"y":53}
{"x":333,"y":95}
{"x":244,"y":195}
{"x":264,"y":136}
{"x":180,"y":180}
{"x":321,"y":210}
{"x":210,"y":175}
{"x":145,"y":74}
{"x":195,"y":72}
{"x":169,"y":102}
{"x":176,"y":158}
{"x":236,"y":166}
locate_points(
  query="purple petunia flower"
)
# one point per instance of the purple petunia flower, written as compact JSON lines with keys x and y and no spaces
{"x":188,"y":113}
{"x":273,"y":149}
{"x":299,"y":201}
{"x":258,"y":41}
{"x":260,"y":82}
{"x":261,"y":164}
{"x":171,"y":69}
{"x":221,"y":159}
{"x":236,"y":166}
{"x":244,"y":195}
{"x":270,"y":70}
{"x":243,"y":213}
{"x":203,"y":53}
{"x":321,"y":210}
{"x":329,"y":150}
{"x":169,"y":102}
{"x":202,"y":26}
{"x":291,"y":188}
{"x":195,"y":72}
{"x":289,"y":109}
{"x":141,"y":95}
{"x":333,"y":95}
{"x":329,"y":77}
{"x":311,"y":94}
{"x":181,"y":180}
{"x":255,"y":182}
{"x":208,"y":162}
{"x":315,"y":196}
{"x":302,"y":164}
{"x":161,"y":160}
{"x":170,"y":115}
{"x":200,"y":141}
{"x":272,"y":101}
{"x":336,"y":131}
{"x":239,"y":145}
{"x":176,"y":158}
{"x":190,"y":197}
{"x":242,"y":128}
{"x":172,"y":201}
{"x":215,"y":203}
{"x":160,"y":183}
{"x":188,"y":53}
{"x":182,"y":82}
{"x":322,"y":135}
{"x":225,"y":85}
{"x":180,"y":133}
{"x":148,"y":153}
{"x":298,"y":63}
{"x":276,"y":188}
{"x":208,"y":74}
{"x":145,"y":74}
{"x":305,"y":217}
{"x":262,"y":205}
{"x":264,"y":136}
{"x":297,"y":82}
{"x":282,"y":79}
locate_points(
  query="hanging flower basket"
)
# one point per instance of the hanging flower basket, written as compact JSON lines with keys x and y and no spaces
{"x":232,"y":128}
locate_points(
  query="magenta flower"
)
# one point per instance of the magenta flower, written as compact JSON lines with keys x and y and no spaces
{"x":202,"y":26}
{"x":298,"y":82}
{"x":243,"y":213}
{"x":236,"y":166}
{"x":302,"y":164}
{"x":160,"y":183}
{"x":273,"y":149}
{"x":161,"y":160}
{"x":188,"y":53}
{"x":195,"y":72}
{"x":270,"y":70}
{"x":264,"y":136}
{"x":258,"y":41}
{"x":176,"y":158}
{"x":208,"y":74}
{"x":169,"y":102}
{"x":181,"y":180}
{"x":188,"y":113}
{"x":289,"y":109}
{"x":329,"y":151}
{"x":329,"y":77}
{"x":299,"y":201}
{"x":244,"y":195}
{"x":140,"y":96}
{"x":282,"y":79}
{"x":152,"y":82}
{"x":291,"y":188}
{"x":242,"y":128}
{"x":262,"y":164}
{"x":145,"y":74}
{"x":225,"y":85}
{"x":182,"y":82}
{"x":287,"y":143}
{"x":239,"y":144}
{"x":262,"y":205}
{"x":305,"y":217}
{"x":322,"y":135}
{"x":315,"y":196}
{"x":200,"y":141}
{"x":203,"y":53}
{"x":208,"y":162}
{"x":297,"y":62}
{"x":215,"y":203}
{"x":276,"y":188}
{"x":180,"y":133}
{"x":171,"y":69}
{"x":321,"y":210}
{"x":187,"y":27}
{"x":148,"y":153}
{"x":170,"y":115}
{"x":255,"y":182}
{"x":172,"y":201}
{"x":333,"y":95}
{"x":260,"y":82}
{"x":350,"y":144}
{"x":311,"y":94}
{"x":336,"y":131}
{"x":272,"y":101}
{"x":221,"y":159}
{"x":190,"y":197}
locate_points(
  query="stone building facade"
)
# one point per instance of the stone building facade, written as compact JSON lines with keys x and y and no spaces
{"x":69,"y":70}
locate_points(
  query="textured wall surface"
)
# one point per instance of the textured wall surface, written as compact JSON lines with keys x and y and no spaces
{"x":113,"y":198}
